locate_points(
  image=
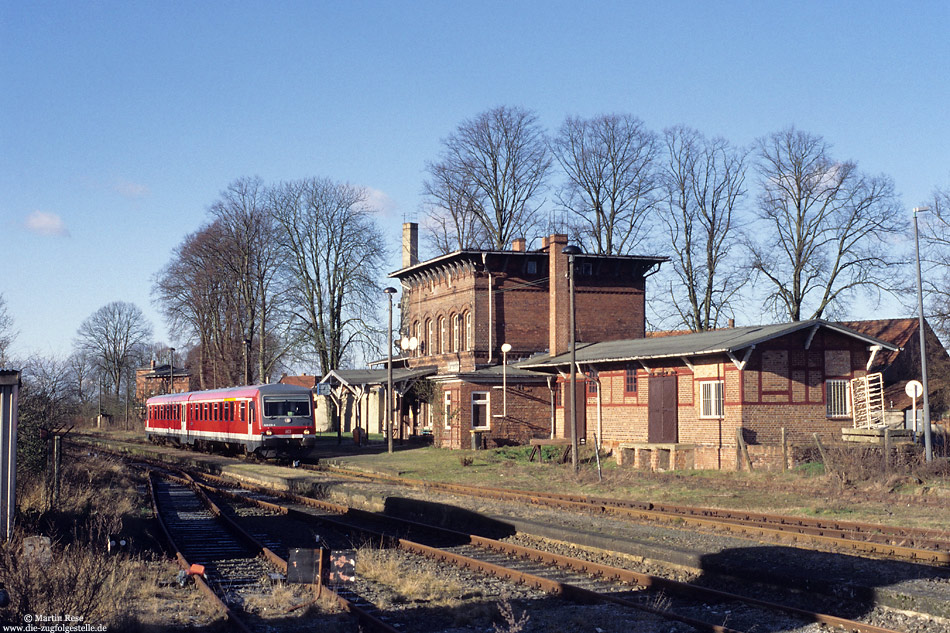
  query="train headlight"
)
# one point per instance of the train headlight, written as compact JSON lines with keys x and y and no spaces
{"x":268,"y":432}
{"x":306,"y":431}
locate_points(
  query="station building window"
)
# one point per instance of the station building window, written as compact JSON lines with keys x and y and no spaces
{"x":480,"y":409}
{"x":837,"y":402}
{"x":711,"y":399}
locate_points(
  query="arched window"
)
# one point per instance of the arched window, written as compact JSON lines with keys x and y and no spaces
{"x":417,"y":333}
{"x":443,"y":335}
{"x":469,"y":332}
{"x":430,"y":338}
{"x":455,"y":332}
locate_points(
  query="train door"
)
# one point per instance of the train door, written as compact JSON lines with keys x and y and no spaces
{"x":183,"y":413}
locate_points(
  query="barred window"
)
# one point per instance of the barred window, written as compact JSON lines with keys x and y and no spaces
{"x":837,"y":400}
{"x":711,"y":401}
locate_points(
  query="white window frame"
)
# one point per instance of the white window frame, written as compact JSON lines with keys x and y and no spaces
{"x":447,"y":410}
{"x":443,"y":336}
{"x":837,"y":393}
{"x":712,"y":398}
{"x":481,"y":398}
{"x":469,"y":340}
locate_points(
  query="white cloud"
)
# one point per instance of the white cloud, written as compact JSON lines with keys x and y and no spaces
{"x":131,"y":189}
{"x":380,"y":201}
{"x":43,"y":223}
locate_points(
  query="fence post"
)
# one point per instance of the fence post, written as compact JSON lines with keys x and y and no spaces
{"x":821,"y":449}
{"x":887,"y":448}
{"x":742,"y":447}
{"x":784,"y":451}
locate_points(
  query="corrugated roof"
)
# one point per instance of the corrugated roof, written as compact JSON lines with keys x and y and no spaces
{"x":695,"y":344}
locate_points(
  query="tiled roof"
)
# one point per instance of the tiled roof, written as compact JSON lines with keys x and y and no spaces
{"x":899,"y":332}
{"x":301,"y":381}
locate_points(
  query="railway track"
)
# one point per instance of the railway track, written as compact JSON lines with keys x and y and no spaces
{"x":559,"y":575}
{"x":918,"y":545}
{"x":233,"y":562}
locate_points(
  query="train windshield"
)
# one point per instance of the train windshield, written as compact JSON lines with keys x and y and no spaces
{"x":287,"y":407}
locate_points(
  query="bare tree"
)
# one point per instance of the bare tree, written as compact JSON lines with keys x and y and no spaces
{"x":934,"y":228}
{"x":499,"y":161}
{"x":827,"y":229}
{"x":191,"y":292}
{"x":452,"y":209}
{"x":81,"y":370}
{"x":250,"y":258}
{"x":7,"y":332}
{"x":336,"y":257}
{"x":110,"y":337}
{"x":611,"y":182}
{"x":703,"y":185}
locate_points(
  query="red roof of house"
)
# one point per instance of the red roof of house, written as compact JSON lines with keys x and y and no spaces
{"x":898,"y":332}
{"x":301,"y":381}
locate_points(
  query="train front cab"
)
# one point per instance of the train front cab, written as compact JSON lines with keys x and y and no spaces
{"x":287,"y":422}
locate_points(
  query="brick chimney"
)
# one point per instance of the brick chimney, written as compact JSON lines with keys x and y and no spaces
{"x":410,"y":244}
{"x":558,"y":300}
{"x":518,"y":244}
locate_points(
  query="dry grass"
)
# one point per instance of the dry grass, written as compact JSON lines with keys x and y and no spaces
{"x":125,"y":592}
{"x":390,"y":567}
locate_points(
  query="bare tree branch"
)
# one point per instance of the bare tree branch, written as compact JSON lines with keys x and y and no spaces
{"x":611,"y":182}
{"x":494,"y":167}
{"x":703,"y":183}
{"x":828,"y":229}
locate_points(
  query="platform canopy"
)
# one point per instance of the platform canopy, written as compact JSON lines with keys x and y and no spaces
{"x":363,"y":380}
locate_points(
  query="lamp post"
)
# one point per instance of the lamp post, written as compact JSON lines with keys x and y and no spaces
{"x":171,"y":370}
{"x":389,"y":373}
{"x":928,"y":447}
{"x":247,"y":361}
{"x":505,"y":348}
{"x":571,"y":251}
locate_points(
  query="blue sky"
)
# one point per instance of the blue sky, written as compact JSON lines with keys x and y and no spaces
{"x":120,"y":122}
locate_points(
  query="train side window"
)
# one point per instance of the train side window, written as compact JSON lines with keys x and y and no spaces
{"x":230,"y":412}
{"x":204,"y":411}
{"x":243,"y":409}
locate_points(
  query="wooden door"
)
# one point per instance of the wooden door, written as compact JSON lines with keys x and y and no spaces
{"x":580,"y":390}
{"x":662,"y":425}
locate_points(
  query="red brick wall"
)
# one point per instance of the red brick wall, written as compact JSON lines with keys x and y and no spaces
{"x":528,"y":415}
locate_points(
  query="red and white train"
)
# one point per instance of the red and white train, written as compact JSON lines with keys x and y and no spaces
{"x":259,"y":418}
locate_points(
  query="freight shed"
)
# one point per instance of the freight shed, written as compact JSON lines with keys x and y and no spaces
{"x":683,"y":401}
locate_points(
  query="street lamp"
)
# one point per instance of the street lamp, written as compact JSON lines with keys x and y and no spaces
{"x":247,"y":360}
{"x":409,"y":344}
{"x":171,"y":370}
{"x":571,"y":251}
{"x":389,"y":372}
{"x":505,"y":348}
{"x":928,"y":447}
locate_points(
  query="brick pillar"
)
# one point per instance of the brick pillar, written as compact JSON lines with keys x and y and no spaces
{"x":558,"y":300}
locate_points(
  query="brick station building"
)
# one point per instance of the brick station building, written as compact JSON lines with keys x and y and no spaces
{"x":489,"y":357}
{"x":464,"y":308}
